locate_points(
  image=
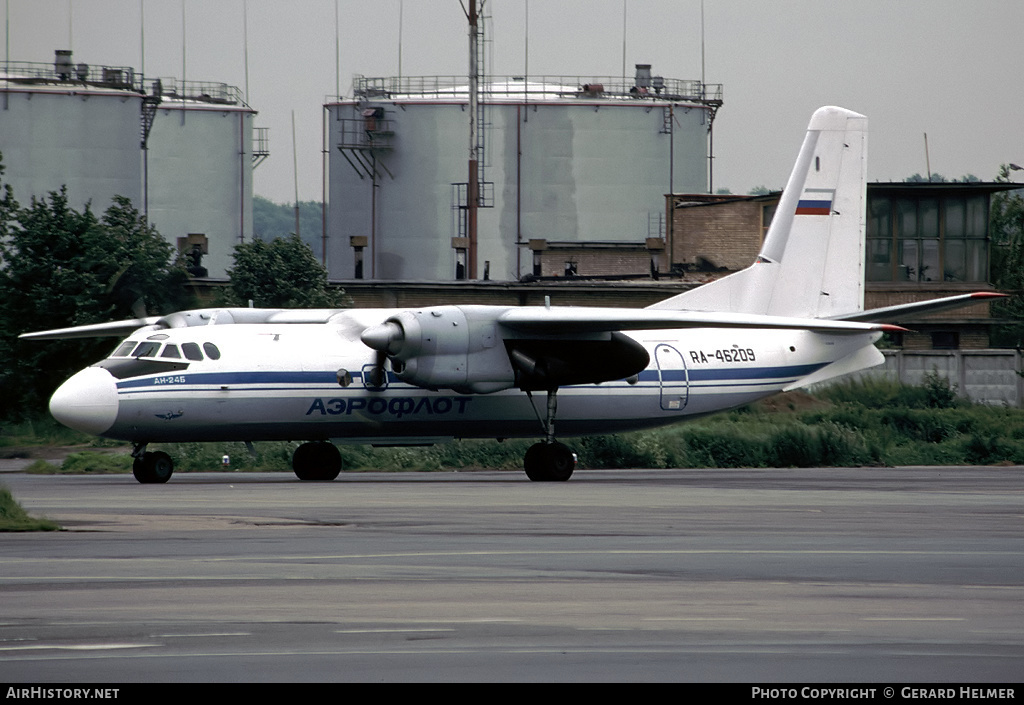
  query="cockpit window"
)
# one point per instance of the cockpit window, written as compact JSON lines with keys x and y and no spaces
{"x":211,"y":351}
{"x":124,"y":348}
{"x":191,"y":351}
{"x":146,"y":349}
{"x":171,"y":351}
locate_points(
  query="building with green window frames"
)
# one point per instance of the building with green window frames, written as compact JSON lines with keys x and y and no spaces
{"x":931,"y":239}
{"x":928,"y":232}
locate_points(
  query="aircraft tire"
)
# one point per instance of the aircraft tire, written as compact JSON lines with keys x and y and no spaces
{"x":317,"y":461}
{"x":153,"y":468}
{"x":549,"y":462}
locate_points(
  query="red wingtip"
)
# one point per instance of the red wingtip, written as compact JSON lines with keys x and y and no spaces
{"x":988,"y":295}
{"x":890,"y":328}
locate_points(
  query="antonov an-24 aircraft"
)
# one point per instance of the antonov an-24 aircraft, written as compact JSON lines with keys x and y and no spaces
{"x":425,"y":375}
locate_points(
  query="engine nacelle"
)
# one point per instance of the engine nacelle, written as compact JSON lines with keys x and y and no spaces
{"x":445,"y":347}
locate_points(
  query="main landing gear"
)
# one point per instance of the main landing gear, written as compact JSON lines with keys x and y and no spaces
{"x":316,"y":461}
{"x":549,"y":461}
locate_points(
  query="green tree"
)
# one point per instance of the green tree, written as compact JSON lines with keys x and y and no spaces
{"x":919,"y":179}
{"x":940,"y":179}
{"x":8,"y":206}
{"x":1007,"y":224}
{"x":59,"y":268}
{"x":282,"y":273}
{"x":271,"y":220}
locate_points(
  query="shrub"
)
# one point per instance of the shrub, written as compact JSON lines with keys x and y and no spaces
{"x":14,"y":518}
{"x":96,"y":463}
{"x":723,"y":447}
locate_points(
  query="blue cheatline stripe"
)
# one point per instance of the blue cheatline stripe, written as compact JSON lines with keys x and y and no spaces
{"x":731,"y":373}
{"x":755,"y":372}
{"x":255,"y":379}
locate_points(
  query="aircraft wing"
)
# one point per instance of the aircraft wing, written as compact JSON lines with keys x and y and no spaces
{"x":96,"y":330}
{"x":919,"y":307}
{"x":183,"y":319}
{"x":574,"y":321}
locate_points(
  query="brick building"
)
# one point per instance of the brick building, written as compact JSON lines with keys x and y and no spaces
{"x":598,"y":259}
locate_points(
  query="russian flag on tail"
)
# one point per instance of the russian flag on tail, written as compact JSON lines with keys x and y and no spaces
{"x":816,"y":201}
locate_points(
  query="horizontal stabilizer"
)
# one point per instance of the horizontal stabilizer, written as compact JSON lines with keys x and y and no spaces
{"x":889,"y":313}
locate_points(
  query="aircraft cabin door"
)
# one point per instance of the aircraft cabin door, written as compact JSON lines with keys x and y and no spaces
{"x":673,"y":377}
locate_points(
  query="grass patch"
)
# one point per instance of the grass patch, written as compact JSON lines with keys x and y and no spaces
{"x":274,"y":456}
{"x":93,"y":463}
{"x":84,"y":463}
{"x":14,"y":518}
{"x":46,"y":431}
{"x":42,"y":467}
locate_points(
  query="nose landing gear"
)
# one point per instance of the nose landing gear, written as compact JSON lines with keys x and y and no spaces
{"x":151,"y":468}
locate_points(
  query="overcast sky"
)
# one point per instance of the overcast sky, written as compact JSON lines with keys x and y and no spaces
{"x":948,"y":68}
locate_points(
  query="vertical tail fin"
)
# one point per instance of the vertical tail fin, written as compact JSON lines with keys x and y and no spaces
{"x":811,"y":263}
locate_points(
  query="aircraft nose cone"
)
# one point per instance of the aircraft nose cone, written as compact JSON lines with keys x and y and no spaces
{"x":87,"y":402}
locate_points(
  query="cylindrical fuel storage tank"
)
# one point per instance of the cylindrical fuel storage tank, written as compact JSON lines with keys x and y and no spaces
{"x":197,"y":166}
{"x":78,"y":128}
{"x":563,"y":159}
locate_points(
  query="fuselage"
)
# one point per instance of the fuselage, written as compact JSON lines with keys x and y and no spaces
{"x":249,"y":382}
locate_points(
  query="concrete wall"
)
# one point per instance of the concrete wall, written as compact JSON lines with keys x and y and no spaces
{"x":984,"y":376}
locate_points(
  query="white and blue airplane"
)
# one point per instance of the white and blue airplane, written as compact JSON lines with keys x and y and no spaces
{"x":425,"y":375}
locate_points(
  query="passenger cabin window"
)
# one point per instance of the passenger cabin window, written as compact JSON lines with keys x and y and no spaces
{"x":192,"y":351}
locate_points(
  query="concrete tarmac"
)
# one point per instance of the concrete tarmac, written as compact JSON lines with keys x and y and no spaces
{"x":866,"y":575}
